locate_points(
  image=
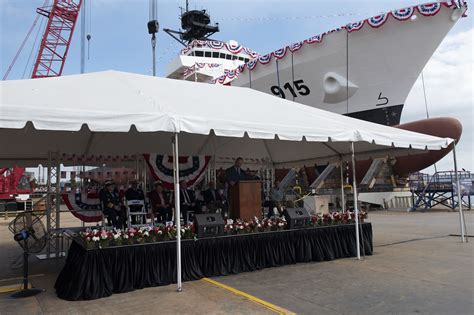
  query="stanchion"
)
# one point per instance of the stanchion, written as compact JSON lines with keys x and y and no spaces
{"x":356,"y":206}
{"x":177,"y":207}
{"x":343,"y":195}
{"x":461,"y":214}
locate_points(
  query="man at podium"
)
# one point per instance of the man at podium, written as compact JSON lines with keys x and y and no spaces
{"x":235,"y":173}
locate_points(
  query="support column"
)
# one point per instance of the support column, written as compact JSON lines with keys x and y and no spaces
{"x":57,"y":205}
{"x":177,"y":208}
{"x":49,"y":205}
{"x":53,"y":208}
{"x":343,"y":195}
{"x":461,"y":214}
{"x":145,"y":175}
{"x":356,"y":206}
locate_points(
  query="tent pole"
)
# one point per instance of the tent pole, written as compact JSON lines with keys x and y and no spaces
{"x":145,"y":179}
{"x":49,"y":204}
{"x":356,"y":206}
{"x":177,"y":209}
{"x":57,"y":205}
{"x":343,"y":197}
{"x":461,"y":214}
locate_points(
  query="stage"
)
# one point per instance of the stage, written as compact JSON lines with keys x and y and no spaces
{"x":95,"y":273}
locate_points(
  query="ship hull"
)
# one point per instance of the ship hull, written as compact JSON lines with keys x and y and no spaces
{"x":365,"y":74}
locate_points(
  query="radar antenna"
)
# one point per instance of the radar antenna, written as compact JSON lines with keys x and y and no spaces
{"x":195,"y":24}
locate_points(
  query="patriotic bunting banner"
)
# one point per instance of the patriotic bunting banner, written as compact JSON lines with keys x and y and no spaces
{"x":378,"y":20}
{"x":191,"y":168}
{"x":214,"y":44}
{"x":403,"y":14}
{"x":87,"y":211}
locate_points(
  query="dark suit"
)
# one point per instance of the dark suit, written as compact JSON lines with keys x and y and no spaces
{"x":187,"y":199}
{"x":211,"y":195}
{"x":235,"y":175}
{"x":212,"y":199}
{"x":161,"y":206}
{"x":112,"y":207}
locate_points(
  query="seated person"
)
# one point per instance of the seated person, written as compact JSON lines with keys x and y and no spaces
{"x":160,"y":204}
{"x":187,"y":200}
{"x":212,"y":198}
{"x":111,"y":205}
{"x":135,"y":193}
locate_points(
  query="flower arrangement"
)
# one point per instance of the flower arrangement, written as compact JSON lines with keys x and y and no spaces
{"x":336,"y":218}
{"x":101,"y":238}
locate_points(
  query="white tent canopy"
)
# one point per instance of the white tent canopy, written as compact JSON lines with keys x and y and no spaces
{"x":111,"y":112}
{"x":114,"y":113}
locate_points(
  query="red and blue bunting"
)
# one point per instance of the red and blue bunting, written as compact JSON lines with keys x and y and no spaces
{"x":429,"y":9}
{"x":403,"y":14}
{"x":85,"y":211}
{"x":191,"y":168}
{"x":214,"y":44}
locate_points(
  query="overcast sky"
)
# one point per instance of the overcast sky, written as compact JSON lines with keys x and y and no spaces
{"x":120,"y":41}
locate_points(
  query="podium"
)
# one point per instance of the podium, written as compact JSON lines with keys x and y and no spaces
{"x":246,"y":200}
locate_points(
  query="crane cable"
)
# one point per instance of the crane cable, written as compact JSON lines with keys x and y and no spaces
{"x":41,"y":28}
{"x":5,"y":76}
{"x":426,"y":108}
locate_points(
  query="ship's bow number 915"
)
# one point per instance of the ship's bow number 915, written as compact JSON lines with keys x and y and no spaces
{"x":299,"y":85}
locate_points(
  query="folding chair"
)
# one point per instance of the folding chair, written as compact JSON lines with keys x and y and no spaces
{"x":142,"y":213}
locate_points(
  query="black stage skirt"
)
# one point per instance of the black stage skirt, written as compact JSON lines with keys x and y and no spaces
{"x":96,"y":273}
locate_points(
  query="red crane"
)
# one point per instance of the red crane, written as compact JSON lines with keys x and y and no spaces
{"x":13,"y":181}
{"x":62,"y":16}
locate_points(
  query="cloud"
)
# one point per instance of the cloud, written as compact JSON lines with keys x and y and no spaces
{"x":449,"y":91}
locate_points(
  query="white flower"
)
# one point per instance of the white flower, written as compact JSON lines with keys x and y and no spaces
{"x":230,"y":221}
{"x":160,"y":232}
{"x":125,"y":236}
{"x":146,"y":233}
{"x":95,"y":238}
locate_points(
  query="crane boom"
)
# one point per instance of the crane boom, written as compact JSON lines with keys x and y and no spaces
{"x":62,"y":16}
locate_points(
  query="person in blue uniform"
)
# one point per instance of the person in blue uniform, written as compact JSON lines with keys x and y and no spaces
{"x":111,"y":205}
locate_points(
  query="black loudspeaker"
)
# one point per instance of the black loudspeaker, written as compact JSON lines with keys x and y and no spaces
{"x":209,"y":225}
{"x":153,"y":27}
{"x":296,"y":218}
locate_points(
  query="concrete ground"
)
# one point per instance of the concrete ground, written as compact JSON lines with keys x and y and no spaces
{"x":416,"y":268}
